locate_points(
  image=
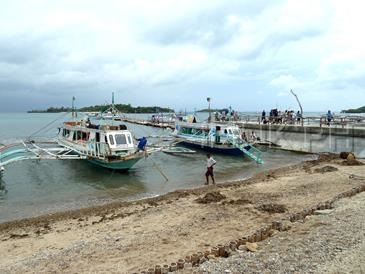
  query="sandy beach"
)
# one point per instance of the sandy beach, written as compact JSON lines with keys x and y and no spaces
{"x":132,"y":237}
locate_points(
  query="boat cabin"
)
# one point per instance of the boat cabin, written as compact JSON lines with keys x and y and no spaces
{"x":209,"y":132}
{"x":104,"y":139}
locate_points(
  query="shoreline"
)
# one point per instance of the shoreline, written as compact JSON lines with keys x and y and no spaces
{"x":107,"y":207}
{"x":130,"y":237}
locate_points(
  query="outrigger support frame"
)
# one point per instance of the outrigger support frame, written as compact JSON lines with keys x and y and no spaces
{"x":31,"y":150}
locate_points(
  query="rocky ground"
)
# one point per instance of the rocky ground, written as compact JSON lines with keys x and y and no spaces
{"x":136,"y":236}
{"x":331,"y":242}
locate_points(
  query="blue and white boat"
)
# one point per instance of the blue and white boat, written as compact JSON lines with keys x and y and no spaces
{"x":215,"y":138}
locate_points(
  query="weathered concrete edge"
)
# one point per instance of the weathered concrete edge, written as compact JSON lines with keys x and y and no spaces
{"x":348,"y":132}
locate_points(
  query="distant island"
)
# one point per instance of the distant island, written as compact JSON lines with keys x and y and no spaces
{"x":213,"y":110}
{"x":354,"y":110}
{"x":125,"y":108}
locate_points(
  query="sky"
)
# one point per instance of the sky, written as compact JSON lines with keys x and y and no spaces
{"x":241,"y":53}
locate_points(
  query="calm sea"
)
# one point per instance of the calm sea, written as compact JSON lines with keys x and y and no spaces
{"x":32,"y":188}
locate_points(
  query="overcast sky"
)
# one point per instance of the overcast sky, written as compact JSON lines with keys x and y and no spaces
{"x":244,"y":54}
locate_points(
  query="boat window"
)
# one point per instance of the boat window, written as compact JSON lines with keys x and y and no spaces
{"x":111,"y":139}
{"x":230,"y":131}
{"x":84,"y":136}
{"x":77,"y":136}
{"x":66,"y":133}
{"x":129,"y":139}
{"x":120,"y":139}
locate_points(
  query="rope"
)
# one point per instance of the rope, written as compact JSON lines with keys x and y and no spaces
{"x":356,"y":177}
{"x":144,"y":130}
{"x":46,"y":126}
{"x":159,"y":170}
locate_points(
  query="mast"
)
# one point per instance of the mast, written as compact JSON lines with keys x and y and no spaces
{"x":113,"y":111}
{"x":73,"y":107}
{"x":210,"y":117}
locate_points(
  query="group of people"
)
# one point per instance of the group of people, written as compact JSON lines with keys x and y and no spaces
{"x":249,"y":137}
{"x":279,"y":117}
{"x":226,"y":115}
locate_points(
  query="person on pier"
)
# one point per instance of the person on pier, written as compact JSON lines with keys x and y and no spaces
{"x":329,"y":117}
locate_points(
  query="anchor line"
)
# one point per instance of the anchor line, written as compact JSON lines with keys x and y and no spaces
{"x":159,"y":170}
{"x":46,"y":126}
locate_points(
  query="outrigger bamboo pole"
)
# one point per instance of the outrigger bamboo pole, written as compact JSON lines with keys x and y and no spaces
{"x":300,"y":105}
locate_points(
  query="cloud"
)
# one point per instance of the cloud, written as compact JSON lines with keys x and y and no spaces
{"x":286,"y":81}
{"x":180,"y":51}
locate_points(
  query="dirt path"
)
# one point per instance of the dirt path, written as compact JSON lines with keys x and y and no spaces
{"x":131,"y":237}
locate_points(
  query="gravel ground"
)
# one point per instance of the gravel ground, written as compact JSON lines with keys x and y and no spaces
{"x":329,"y":243}
{"x":135,"y":236}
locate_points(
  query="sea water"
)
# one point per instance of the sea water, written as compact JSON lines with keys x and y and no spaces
{"x":32,"y":188}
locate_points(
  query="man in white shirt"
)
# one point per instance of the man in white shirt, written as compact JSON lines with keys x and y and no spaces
{"x":210,"y":163}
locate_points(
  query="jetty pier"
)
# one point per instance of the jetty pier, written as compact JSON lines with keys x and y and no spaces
{"x":149,"y":123}
{"x":312,"y":139}
{"x":312,"y":135}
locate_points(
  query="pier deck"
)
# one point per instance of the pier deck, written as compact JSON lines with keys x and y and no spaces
{"x":313,"y":136}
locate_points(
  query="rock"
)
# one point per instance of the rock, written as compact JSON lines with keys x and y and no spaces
{"x":19,"y":235}
{"x":211,"y":197}
{"x":242,"y":248}
{"x":202,"y":260}
{"x":352,"y":162}
{"x":344,"y":154}
{"x":286,"y":225}
{"x":323,"y":212}
{"x":272,"y":208}
{"x":211,"y":257}
{"x":251,"y":246}
{"x":350,"y":157}
{"x":326,"y":169}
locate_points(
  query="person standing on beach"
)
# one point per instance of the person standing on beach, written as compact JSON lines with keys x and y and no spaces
{"x":210,"y":163}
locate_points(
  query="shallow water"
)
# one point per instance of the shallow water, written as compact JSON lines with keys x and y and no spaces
{"x":32,"y":188}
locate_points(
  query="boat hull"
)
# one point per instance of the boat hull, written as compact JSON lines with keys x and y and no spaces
{"x":212,"y":148}
{"x":115,"y":165}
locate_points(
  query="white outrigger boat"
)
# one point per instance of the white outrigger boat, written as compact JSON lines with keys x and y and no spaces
{"x":108,"y":145}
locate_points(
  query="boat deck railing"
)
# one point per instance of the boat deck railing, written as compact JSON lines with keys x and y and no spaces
{"x":341,"y":121}
{"x":93,"y":149}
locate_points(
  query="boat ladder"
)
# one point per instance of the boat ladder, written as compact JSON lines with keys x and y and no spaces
{"x":247,"y":149}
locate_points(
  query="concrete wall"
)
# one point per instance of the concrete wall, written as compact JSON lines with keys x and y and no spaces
{"x":312,"y":139}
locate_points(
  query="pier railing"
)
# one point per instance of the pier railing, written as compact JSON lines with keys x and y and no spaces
{"x":337,"y":121}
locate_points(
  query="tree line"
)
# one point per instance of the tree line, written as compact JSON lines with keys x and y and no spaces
{"x":125,"y":108}
{"x":354,"y":110}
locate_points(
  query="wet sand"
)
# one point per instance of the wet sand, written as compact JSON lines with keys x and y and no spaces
{"x":131,"y":237}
